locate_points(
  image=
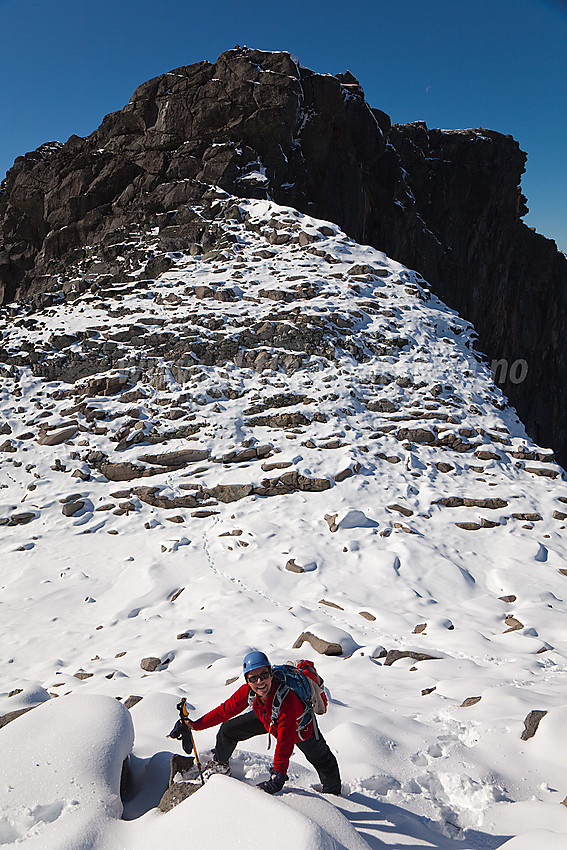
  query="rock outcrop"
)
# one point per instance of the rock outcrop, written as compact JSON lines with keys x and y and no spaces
{"x":257,"y":124}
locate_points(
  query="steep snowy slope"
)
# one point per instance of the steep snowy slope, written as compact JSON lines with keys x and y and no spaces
{"x":285,"y":442}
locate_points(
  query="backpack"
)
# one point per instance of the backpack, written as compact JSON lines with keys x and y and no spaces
{"x":303,"y":679}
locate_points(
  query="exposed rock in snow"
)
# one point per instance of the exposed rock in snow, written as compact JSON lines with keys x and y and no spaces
{"x":229,"y":404}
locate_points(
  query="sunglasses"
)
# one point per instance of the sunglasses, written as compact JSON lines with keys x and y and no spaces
{"x":259,"y":677}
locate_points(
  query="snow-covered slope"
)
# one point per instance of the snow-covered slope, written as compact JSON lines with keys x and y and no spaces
{"x":284,"y":437}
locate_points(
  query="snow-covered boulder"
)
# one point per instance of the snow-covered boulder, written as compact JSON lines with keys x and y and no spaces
{"x":60,"y":772}
{"x":226,"y":807}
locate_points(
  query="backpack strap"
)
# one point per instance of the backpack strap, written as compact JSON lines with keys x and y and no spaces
{"x":282,"y":691}
{"x":302,"y":721}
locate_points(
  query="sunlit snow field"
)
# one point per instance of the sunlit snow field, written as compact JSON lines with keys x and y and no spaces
{"x":430,"y":750}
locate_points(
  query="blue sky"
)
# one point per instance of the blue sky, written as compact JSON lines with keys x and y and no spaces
{"x":500,"y":64}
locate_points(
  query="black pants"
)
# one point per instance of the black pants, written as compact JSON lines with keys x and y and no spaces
{"x":315,"y":749}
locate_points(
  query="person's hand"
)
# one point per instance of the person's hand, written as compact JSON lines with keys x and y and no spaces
{"x":274,"y":784}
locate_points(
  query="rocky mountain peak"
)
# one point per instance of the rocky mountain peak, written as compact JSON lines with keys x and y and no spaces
{"x":257,"y":124}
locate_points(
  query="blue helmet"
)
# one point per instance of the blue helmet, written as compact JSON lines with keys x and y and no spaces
{"x":254,"y":660}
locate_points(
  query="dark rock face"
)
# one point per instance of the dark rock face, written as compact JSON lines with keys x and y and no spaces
{"x":257,"y":124}
{"x":508,"y":280}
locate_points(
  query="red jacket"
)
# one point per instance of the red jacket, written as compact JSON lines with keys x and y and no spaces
{"x":284,"y":730}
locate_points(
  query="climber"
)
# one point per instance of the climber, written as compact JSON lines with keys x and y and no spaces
{"x":283,"y":718}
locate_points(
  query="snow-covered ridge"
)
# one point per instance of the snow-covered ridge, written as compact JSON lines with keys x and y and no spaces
{"x":286,"y":434}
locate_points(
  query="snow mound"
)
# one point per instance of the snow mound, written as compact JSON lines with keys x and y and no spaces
{"x":353,"y":518}
{"x":543,"y":838}
{"x":60,"y":772}
{"x":248,"y":813}
{"x":27,"y":698}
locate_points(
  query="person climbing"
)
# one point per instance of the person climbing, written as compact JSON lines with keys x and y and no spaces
{"x":259,"y":692}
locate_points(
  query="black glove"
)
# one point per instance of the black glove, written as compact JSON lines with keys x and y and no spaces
{"x":177,"y":730}
{"x":183,"y":732}
{"x":275,"y":783}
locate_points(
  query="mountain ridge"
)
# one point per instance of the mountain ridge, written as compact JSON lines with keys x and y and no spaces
{"x":447,"y":203}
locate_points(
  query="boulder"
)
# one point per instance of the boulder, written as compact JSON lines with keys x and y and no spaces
{"x":12,"y":715}
{"x":55,"y":438}
{"x":324,"y":647}
{"x":180,"y":765}
{"x":531,"y":723}
{"x":20,"y":519}
{"x":229,"y":492}
{"x":203,"y":292}
{"x":282,"y":464}
{"x":459,"y":502}
{"x":125,"y":471}
{"x":514,"y":625}
{"x":416,"y":435}
{"x":306,"y":238}
{"x":251,"y":453}
{"x":545,"y":473}
{"x":157,"y":265}
{"x":182,"y":457}
{"x":72,"y":508}
{"x":280,"y":420}
{"x":343,"y":474}
{"x":104,"y":385}
{"x":488,"y":523}
{"x":365,"y":269}
{"x":389,"y":458}
{"x":179,"y":791}
{"x":485,"y":454}
{"x":150,"y":496}
{"x":401,"y":509}
{"x":466,"y":703}
{"x":330,"y":519}
{"x":382,"y":405}
{"x":290,"y":481}
{"x":395,"y":654}
{"x":528,"y":517}
{"x":150,"y":664}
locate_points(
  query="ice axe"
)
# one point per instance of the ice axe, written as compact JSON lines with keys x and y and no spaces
{"x":181,"y":730}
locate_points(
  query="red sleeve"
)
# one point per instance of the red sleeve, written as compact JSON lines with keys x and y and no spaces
{"x":286,"y":728}
{"x":230,"y":708}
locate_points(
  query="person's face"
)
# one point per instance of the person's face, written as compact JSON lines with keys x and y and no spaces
{"x":260,"y":681}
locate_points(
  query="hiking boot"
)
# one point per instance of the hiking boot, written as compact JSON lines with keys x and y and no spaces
{"x":214,"y":766}
{"x":335,"y":791}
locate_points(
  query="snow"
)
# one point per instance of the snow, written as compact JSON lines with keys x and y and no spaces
{"x":225,"y":805}
{"x":253,"y":177}
{"x":84,"y":598}
{"x":60,"y":772}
